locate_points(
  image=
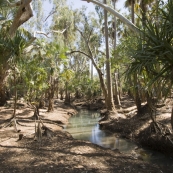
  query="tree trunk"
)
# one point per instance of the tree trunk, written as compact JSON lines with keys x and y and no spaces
{"x":67,"y":97}
{"x":136,"y":95}
{"x":23,"y":14}
{"x":3,"y":97}
{"x":133,"y":11}
{"x":41,"y":102}
{"x":109,"y":99}
{"x":15,"y":94}
{"x":102,"y":84}
{"x":51,"y":92}
{"x":172,"y":118}
{"x":61,"y":95}
{"x":117,"y":98}
{"x":50,"y":106}
{"x":116,"y":92}
{"x":3,"y":68}
{"x":143,"y":8}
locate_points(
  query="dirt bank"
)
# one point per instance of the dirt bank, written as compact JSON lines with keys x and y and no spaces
{"x":140,"y":129}
{"x":59,"y":153}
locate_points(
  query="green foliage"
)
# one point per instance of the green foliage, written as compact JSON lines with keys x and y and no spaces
{"x":152,"y":57}
{"x":67,"y":74}
{"x":34,"y":77}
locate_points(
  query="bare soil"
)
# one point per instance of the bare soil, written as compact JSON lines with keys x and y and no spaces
{"x":139,"y":127}
{"x":60,"y":152}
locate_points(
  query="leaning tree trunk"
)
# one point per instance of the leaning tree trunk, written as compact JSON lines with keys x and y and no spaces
{"x":23,"y":14}
{"x":102,"y":84}
{"x":118,"y":15}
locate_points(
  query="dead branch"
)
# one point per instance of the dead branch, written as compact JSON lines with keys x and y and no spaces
{"x":46,"y":34}
{"x":51,"y":14}
{"x":61,"y":32}
{"x":41,"y":32}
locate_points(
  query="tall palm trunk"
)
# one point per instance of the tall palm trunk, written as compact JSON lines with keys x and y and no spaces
{"x":133,"y":11}
{"x":109,"y":99}
{"x":143,"y":8}
{"x":116,"y":94}
{"x":136,"y":88}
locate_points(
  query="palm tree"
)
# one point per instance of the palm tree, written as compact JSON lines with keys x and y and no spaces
{"x":144,"y":8}
{"x":156,"y":47}
{"x":135,"y":76}
{"x":7,"y":32}
{"x":131,"y":3}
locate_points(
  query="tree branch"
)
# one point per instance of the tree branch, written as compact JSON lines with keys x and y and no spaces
{"x":89,"y":35}
{"x":89,"y":49}
{"x":51,"y":14}
{"x":40,"y":32}
{"x":46,"y":34}
{"x":78,"y":51}
{"x":61,"y":32}
{"x":118,"y":15}
{"x":13,"y":4}
{"x":24,"y":13}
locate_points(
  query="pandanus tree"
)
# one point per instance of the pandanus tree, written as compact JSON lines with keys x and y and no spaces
{"x":155,"y":46}
{"x":122,"y":18}
{"x":134,"y":80}
{"x":7,"y":33}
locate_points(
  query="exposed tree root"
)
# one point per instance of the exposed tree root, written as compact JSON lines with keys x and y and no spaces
{"x":47,"y":132}
{"x":161,"y":130}
{"x":45,"y":121}
{"x":11,"y":122}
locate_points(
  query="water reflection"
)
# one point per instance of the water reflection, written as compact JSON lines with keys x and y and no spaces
{"x":84,"y":126}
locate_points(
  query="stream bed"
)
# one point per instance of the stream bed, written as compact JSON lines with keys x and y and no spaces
{"x":84,"y":126}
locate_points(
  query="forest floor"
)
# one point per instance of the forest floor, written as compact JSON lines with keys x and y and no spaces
{"x":60,"y":152}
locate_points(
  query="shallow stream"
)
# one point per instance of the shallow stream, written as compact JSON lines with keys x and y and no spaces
{"x":84,"y":126}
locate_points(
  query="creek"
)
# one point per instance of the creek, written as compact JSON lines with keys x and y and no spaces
{"x":84,"y":126}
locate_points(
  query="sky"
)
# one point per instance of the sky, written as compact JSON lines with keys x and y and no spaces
{"x":78,"y":4}
{"x":90,"y":6}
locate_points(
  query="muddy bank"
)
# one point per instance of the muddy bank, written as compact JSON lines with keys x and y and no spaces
{"x":141,"y":130}
{"x":60,"y":152}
